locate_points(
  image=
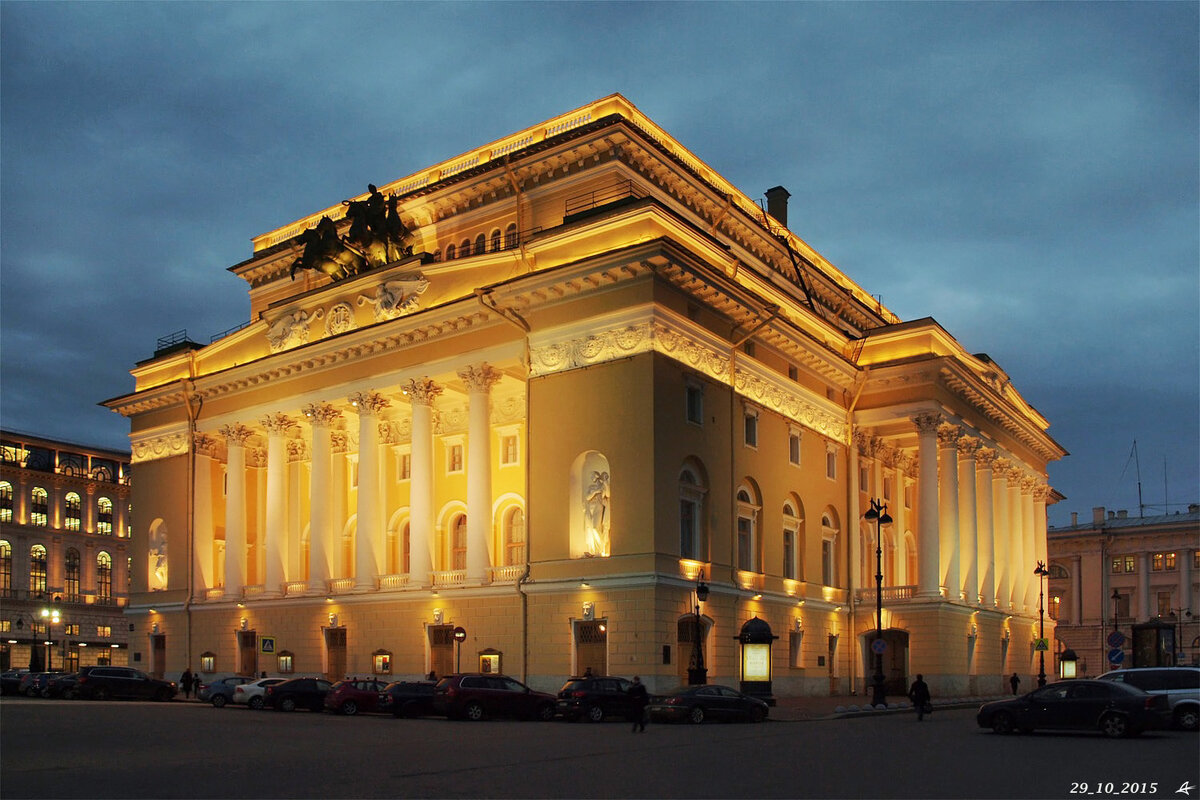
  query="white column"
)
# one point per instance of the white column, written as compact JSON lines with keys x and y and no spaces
{"x":235,"y":508}
{"x":1023,"y":564}
{"x":928,"y":544}
{"x":297,"y":492}
{"x":204,"y":447}
{"x":948,"y":435}
{"x":1001,"y":535}
{"x":968,"y":518}
{"x":369,"y":544}
{"x":900,"y":518}
{"x":320,"y":534}
{"x":479,"y":379}
{"x":1034,"y":545}
{"x":986,"y":554}
{"x":854,"y":530}
{"x":421,"y":393}
{"x":275,"y":534}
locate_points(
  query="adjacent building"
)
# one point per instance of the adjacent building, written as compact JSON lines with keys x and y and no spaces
{"x":1119,"y":574}
{"x":64,"y":553}
{"x":572,"y":400}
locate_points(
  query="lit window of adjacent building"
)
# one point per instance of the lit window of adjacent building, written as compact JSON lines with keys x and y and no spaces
{"x":1055,"y":601}
{"x":1130,"y":563}
{"x":1196,"y":559}
{"x":514,"y":536}
{"x":1169,"y":559}
{"x":1116,"y":564}
{"x":1156,"y":562}
{"x":70,"y":629}
{"x":72,"y":511}
{"x":510,"y":236}
{"x":37,"y":569}
{"x":103,"y":631}
{"x":103,"y":575}
{"x":285,"y":662}
{"x":1164,"y":604}
{"x":208,"y":662}
{"x":71,"y":579}
{"x":5,"y":565}
{"x":495,"y":240}
{"x":6,"y":501}
{"x":381,"y":662}
{"x":104,"y":516}
{"x":39,"y":507}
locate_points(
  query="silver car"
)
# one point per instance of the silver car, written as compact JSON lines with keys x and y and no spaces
{"x":1180,"y":685}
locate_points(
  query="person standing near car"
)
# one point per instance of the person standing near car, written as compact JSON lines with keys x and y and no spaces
{"x":637,"y":708}
{"x":919,"y":694}
{"x":185,"y":683}
{"x":1015,"y":683}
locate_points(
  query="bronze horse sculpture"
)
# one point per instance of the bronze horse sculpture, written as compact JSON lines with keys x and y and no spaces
{"x":376,"y":237}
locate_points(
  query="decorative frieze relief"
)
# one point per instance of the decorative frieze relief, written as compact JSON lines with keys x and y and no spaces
{"x":160,"y":443}
{"x":256,"y":457}
{"x":290,"y":330}
{"x":297,"y":450}
{"x":397,"y":297}
{"x":207,"y":445}
{"x":507,"y":410}
{"x":339,"y":319}
{"x":450,"y":420}
{"x":397,"y":431}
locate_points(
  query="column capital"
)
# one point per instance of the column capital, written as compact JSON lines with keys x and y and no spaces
{"x":322,"y":415}
{"x":235,"y":435}
{"x":1000,"y":467}
{"x":1041,"y":492}
{"x":206,"y":445}
{"x":948,"y":434}
{"x":968,"y":446}
{"x":369,"y":404}
{"x":927,"y":422}
{"x":480,"y":377}
{"x":422,"y":391}
{"x":1028,"y":484}
{"x":986,"y":456}
{"x":277,"y":424}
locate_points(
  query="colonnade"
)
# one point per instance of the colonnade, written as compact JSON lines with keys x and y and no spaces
{"x":279,"y":520}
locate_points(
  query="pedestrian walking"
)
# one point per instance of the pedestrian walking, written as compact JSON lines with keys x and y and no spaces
{"x":637,"y":708}
{"x":1014,"y":682}
{"x":185,"y":682}
{"x":919,"y":694}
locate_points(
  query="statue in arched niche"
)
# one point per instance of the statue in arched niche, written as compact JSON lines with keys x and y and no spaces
{"x":156,"y":575}
{"x":595,"y":514}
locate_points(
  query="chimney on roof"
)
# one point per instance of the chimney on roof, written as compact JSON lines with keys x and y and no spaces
{"x":777,"y":204}
{"x":1193,"y":508}
{"x":1098,"y":515}
{"x":1123,"y":514}
{"x":1074,"y":518}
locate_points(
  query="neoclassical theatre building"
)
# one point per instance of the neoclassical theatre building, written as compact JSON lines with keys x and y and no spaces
{"x":537,"y":395}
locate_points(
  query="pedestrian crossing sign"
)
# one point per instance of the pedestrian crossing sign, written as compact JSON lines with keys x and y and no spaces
{"x":1041,"y":644}
{"x":266,"y":644}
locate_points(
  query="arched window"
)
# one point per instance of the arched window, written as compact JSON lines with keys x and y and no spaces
{"x":5,"y":565}
{"x":39,"y":507}
{"x":71,"y":584}
{"x":451,"y":252}
{"x":458,"y":543}
{"x":791,"y":543}
{"x":72,"y":511}
{"x":910,"y":558}
{"x":103,"y":575}
{"x":747,"y":528}
{"x":464,"y":248}
{"x":37,"y":569}
{"x":510,"y":236}
{"x":1058,"y":571}
{"x":6,"y":501}
{"x":514,"y":536}
{"x":691,"y":513}
{"x":104,"y":516}
{"x":495,"y":240}
{"x":480,"y":244}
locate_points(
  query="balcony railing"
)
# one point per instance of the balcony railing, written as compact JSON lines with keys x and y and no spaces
{"x":614,"y":193}
{"x":392,"y":582}
{"x":341,"y":585}
{"x":890,"y":594}
{"x":507,"y":574}
{"x":450,"y":577}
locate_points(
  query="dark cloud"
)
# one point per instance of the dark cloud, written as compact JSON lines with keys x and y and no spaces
{"x":1024,"y":173}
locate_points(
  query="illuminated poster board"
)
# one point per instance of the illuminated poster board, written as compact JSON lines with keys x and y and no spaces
{"x":756,"y":662}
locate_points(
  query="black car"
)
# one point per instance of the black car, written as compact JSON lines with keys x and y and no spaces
{"x":220,"y":691}
{"x":595,"y":698}
{"x":33,"y":684}
{"x":10,"y":681}
{"x":406,"y":699}
{"x":696,"y":704}
{"x":1114,"y":709}
{"x":297,"y":693}
{"x":477,"y":696}
{"x":65,"y":685}
{"x":102,"y":683}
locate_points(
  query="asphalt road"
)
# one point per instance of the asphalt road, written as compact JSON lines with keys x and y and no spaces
{"x":78,"y":749}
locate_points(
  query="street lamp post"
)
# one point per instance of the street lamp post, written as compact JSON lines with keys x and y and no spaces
{"x":878,"y":514}
{"x":1116,"y":598}
{"x":1177,"y":615}
{"x":697,"y":674}
{"x":1041,"y":571}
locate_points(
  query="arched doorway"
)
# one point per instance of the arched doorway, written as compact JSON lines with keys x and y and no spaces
{"x":895,"y":660}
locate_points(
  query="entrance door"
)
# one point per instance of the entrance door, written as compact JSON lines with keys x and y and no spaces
{"x":591,"y":647}
{"x":895,"y":661}
{"x":441,"y":649}
{"x":248,"y":653}
{"x":158,"y":654}
{"x":335,"y":653}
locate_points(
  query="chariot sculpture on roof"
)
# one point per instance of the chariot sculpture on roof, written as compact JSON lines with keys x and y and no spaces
{"x":377,"y":236}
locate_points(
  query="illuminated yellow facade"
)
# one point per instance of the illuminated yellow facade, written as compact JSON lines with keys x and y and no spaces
{"x":602,"y":373}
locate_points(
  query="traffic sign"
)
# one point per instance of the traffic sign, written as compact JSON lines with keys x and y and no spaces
{"x":1116,"y":639}
{"x":1041,"y":644}
{"x":266,"y":644}
{"x":878,"y":646}
{"x":1116,"y":656}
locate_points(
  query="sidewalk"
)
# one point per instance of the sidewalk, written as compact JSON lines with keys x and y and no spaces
{"x":799,"y":709}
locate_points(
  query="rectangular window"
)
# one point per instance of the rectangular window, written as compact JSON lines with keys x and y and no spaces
{"x":687,"y":529}
{"x":827,"y":562}
{"x":694,"y":398}
{"x":1052,"y":607}
{"x":864,"y":478}
{"x":208,"y":663}
{"x":286,"y":663}
{"x":1116,"y":564}
{"x":1164,"y":604}
{"x":405,"y":466}
{"x":5,"y":626}
{"x":793,"y":372}
{"x":887,"y":488}
{"x":1130,"y":563}
{"x":454,"y":458}
{"x":71,"y":630}
{"x":509,"y":454}
{"x":382,"y":663}
{"x":748,"y":349}
{"x":751,"y":430}
{"x":1157,"y":562}
{"x":745,"y":555}
{"x":831,"y":465}
{"x":1123,"y":605}
{"x":789,"y":555}
{"x":1170,"y":561}
{"x":103,"y":631}
{"x":794,"y":448}
{"x":908,"y":496}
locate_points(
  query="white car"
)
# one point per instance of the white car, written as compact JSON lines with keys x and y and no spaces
{"x":251,"y":694}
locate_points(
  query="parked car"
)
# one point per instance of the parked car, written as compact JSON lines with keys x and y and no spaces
{"x":297,"y":693}
{"x":32,"y":683}
{"x":476,"y":696}
{"x":102,"y":683}
{"x":251,"y":694}
{"x":10,"y":681}
{"x":696,"y":704}
{"x":220,"y":691}
{"x":1115,"y":709}
{"x":594,"y":698}
{"x":1180,"y":685}
{"x":407,"y":699}
{"x":64,"y":685}
{"x":352,"y":696}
